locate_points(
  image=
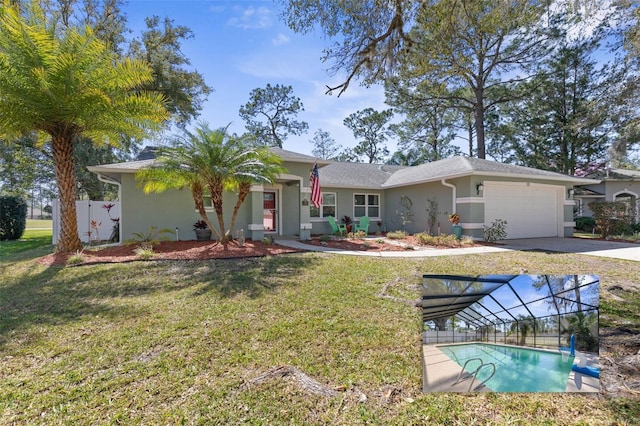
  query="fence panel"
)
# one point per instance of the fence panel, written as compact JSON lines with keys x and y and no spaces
{"x":87,"y":211}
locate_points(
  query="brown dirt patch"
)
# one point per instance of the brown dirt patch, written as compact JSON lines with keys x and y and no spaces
{"x":172,"y":250}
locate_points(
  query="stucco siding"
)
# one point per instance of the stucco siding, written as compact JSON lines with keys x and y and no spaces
{"x":290,"y":210}
{"x":419,"y":195}
{"x":171,"y":209}
{"x":614,"y":188}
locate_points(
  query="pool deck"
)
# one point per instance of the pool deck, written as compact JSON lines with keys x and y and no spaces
{"x":579,"y":382}
{"x":439,"y":372}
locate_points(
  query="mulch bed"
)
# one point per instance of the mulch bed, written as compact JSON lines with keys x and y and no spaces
{"x":203,"y":250}
{"x":407,"y":243}
{"x":172,"y":250}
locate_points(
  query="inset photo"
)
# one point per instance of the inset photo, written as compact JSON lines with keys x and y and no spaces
{"x":510,"y":333}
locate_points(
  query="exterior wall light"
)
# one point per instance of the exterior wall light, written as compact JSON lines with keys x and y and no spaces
{"x":479,"y":187}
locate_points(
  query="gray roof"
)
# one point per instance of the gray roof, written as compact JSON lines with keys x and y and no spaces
{"x":128,"y":167}
{"x":453,"y":167}
{"x":147,"y":157}
{"x":586,"y":192}
{"x":296,"y":157}
{"x":356,"y":175}
{"x":377,"y":176}
{"x":616,"y":174}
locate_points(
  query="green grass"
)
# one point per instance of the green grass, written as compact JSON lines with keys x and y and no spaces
{"x":39,"y":223}
{"x":174,"y":342}
{"x":33,"y":242}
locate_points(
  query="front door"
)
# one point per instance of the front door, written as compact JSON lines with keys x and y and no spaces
{"x":270,"y":212}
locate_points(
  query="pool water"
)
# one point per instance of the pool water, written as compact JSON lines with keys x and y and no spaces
{"x":517,"y":369}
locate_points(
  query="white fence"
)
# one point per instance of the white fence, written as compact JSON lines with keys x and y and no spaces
{"x":86,"y":212}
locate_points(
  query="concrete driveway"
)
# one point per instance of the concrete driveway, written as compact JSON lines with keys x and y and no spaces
{"x":615,"y":250}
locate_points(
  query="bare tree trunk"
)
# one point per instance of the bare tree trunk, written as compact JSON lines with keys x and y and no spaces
{"x":577,"y":291}
{"x":62,"y":144}
{"x":479,"y":123}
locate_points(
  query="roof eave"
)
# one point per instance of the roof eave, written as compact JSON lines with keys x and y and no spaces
{"x":561,"y":178}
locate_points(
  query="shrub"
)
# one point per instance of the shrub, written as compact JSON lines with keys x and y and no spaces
{"x":585,"y":224}
{"x":325,"y":238}
{"x":611,"y":217}
{"x":396,"y":235}
{"x":358,"y":235}
{"x":497,"y":231}
{"x":425,"y":239}
{"x":144,"y":252}
{"x":153,"y":236}
{"x":13,"y":217}
{"x":76,"y":258}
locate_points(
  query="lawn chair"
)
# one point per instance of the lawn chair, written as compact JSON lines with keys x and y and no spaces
{"x":337,"y":228}
{"x":362,"y":225}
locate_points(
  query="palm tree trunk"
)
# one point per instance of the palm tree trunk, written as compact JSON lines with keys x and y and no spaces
{"x":243,"y":191}
{"x":217,"y":190}
{"x":62,"y":144}
{"x":198,"y":197}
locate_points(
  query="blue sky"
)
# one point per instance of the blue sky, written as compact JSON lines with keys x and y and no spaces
{"x":242,"y":45}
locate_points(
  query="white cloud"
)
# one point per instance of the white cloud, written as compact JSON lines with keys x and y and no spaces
{"x":280,"y":39}
{"x":251,"y":18}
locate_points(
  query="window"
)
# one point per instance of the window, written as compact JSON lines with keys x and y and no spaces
{"x":366,"y":205}
{"x":328,"y":206}
{"x":207,"y":201}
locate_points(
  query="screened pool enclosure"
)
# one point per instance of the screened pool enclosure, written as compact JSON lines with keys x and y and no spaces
{"x":524,"y":310}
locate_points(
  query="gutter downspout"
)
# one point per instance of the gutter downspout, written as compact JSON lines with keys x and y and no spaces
{"x":112,"y":181}
{"x":454,"y":207}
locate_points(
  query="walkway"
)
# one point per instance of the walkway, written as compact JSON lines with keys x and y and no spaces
{"x":614,"y":250}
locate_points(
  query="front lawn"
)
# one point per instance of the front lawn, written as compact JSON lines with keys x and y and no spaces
{"x":32,"y":239}
{"x":181,"y":342}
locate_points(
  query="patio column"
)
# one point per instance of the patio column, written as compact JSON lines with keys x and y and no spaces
{"x":305,"y":213}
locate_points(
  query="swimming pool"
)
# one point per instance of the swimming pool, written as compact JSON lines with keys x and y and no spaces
{"x":517,"y":369}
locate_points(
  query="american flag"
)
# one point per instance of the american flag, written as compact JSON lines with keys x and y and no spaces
{"x":314,"y":179}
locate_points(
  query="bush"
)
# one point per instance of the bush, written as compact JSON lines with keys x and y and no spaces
{"x":611,"y":217}
{"x":497,"y":231}
{"x":144,"y":252}
{"x":585,"y":224}
{"x":325,"y":238}
{"x":76,"y":258}
{"x":396,"y":235}
{"x":358,"y":235}
{"x":13,"y":217}
{"x":425,"y":239}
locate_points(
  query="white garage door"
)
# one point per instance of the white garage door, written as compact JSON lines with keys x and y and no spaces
{"x":530,"y":211}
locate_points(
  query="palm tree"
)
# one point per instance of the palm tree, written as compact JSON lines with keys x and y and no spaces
{"x":64,"y":83}
{"x":212,"y":160}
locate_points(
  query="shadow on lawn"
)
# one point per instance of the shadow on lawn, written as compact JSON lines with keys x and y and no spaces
{"x":253,"y":276}
{"x":59,"y":295}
